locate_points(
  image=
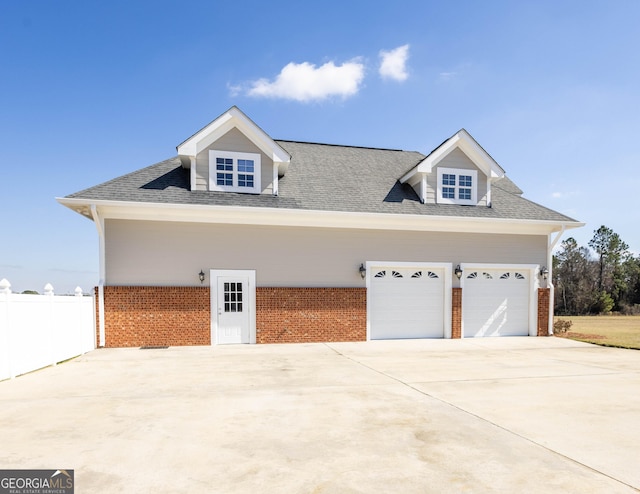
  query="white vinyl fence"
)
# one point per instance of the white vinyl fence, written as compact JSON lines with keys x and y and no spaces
{"x":41,"y":330}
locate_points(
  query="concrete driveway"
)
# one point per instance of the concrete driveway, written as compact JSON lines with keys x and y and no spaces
{"x":484,"y":415}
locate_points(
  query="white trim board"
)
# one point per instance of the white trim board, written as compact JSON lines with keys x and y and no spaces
{"x":294,"y":217}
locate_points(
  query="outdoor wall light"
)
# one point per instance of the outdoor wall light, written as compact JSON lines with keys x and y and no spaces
{"x":363,"y":271}
{"x":544,"y":272}
{"x":458,"y":271}
{"x":201,"y":276}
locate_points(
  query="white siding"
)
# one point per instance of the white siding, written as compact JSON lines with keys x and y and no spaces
{"x":161,"y":253}
{"x":456,"y":159}
{"x":234,"y":140}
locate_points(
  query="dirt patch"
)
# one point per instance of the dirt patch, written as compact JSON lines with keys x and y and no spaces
{"x":584,"y":336}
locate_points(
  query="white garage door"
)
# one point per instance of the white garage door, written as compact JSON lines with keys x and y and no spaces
{"x":406,"y":303}
{"x":495,"y":302}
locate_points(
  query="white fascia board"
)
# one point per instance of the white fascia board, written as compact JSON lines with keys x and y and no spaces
{"x":479,"y":156}
{"x":411,"y":173}
{"x":469,"y":146}
{"x":438,"y":154}
{"x":189,"y":147}
{"x":260,"y":138}
{"x":320,"y":219}
{"x":223,"y":124}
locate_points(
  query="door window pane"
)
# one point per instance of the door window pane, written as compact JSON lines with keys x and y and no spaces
{"x":232,"y":297}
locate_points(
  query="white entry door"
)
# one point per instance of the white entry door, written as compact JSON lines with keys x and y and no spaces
{"x":233,"y":302}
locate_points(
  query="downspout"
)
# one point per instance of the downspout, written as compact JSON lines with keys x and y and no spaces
{"x":100,"y":227}
{"x":552,"y":244}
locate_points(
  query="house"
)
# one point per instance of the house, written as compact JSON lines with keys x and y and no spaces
{"x":245,"y":239}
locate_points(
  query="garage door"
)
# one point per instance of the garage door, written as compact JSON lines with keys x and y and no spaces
{"x":406,"y":303}
{"x":495,"y":302}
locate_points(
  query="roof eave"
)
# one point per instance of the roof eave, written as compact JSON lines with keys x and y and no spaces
{"x":311,"y":218}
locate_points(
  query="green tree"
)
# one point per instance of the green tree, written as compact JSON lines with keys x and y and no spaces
{"x":573,"y":277}
{"x":612,"y":253}
{"x":630,"y":294}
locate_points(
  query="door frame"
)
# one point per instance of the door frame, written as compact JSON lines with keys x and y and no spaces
{"x":534,"y":284}
{"x":250,"y":274}
{"x":448,"y":283}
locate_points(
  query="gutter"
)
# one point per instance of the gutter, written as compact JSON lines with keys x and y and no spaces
{"x":268,"y":216}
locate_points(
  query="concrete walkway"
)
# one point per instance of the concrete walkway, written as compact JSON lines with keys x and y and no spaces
{"x":511,"y":415}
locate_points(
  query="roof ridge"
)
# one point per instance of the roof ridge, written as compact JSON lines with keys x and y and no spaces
{"x":345,"y":146}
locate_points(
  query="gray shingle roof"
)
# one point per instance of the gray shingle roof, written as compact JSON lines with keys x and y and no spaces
{"x":322,"y":177}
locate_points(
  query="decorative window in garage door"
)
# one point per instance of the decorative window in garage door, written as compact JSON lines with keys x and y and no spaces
{"x":517,"y":276}
{"x":394,"y":274}
{"x":414,"y":275}
{"x":475,"y":274}
{"x":430,"y":274}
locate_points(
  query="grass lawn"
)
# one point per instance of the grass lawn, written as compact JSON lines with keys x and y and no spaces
{"x":619,"y":331}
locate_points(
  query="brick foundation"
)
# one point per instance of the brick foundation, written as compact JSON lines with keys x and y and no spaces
{"x":156,"y":316}
{"x":543,"y":311}
{"x":288,"y":315}
{"x":456,"y":313}
{"x":176,"y":316}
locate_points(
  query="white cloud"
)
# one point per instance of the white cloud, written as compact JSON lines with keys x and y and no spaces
{"x":447,"y":76}
{"x":306,"y":82}
{"x":393,"y":63}
{"x":234,"y":90}
{"x":557,"y":195}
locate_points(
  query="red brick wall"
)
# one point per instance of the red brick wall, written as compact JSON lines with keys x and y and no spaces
{"x":287,"y":315}
{"x":175,"y":316}
{"x":543,"y":311}
{"x":456,"y":313}
{"x":156,"y":316}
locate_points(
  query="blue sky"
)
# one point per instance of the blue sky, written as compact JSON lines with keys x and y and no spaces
{"x":92,"y":90}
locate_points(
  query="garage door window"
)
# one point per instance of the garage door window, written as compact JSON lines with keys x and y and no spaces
{"x":394,"y":274}
{"x":517,"y":276}
{"x":475,"y":274}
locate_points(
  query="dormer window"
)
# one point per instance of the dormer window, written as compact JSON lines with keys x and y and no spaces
{"x":457,"y":186}
{"x":234,"y":172}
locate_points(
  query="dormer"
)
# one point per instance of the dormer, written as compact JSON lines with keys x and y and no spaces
{"x":459,"y":171}
{"x":233,"y":154}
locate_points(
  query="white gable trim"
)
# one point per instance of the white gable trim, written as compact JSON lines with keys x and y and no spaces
{"x":234,"y":118}
{"x":461,"y":140}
